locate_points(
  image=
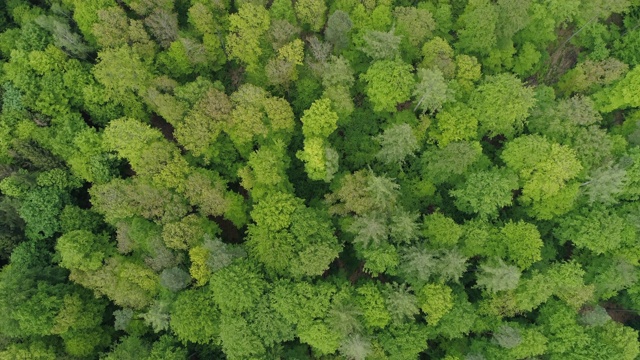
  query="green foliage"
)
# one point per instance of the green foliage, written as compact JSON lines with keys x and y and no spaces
{"x":544,"y":169}
{"x":246,"y":28}
{"x":404,"y":341}
{"x":337,"y":31}
{"x":431,"y":91}
{"x":83,"y":250}
{"x":522,"y":242}
{"x":401,"y":303}
{"x":592,"y":75}
{"x":375,"y":179}
{"x":442,"y":232}
{"x":374,"y":311}
{"x":438,"y":55}
{"x":356,"y":347}
{"x":477,"y":27}
{"x":397,"y":142}
{"x":419,"y":265}
{"x":435,"y":301}
{"x":380,"y":45}
{"x":599,"y":230}
{"x":302,"y":237}
{"x":40,"y":210}
{"x":415,"y":25}
{"x":195,"y":317}
{"x":498,"y":277}
{"x":389,"y":82}
{"x":121,"y":71}
{"x":486,"y":192}
{"x":236,"y":288}
{"x":620,"y":95}
{"x":311,"y":13}
{"x":445,"y":164}
{"x":501,"y":104}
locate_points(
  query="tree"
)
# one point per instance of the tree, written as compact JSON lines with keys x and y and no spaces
{"x":419,"y":265}
{"x":236,"y":288}
{"x":195,"y":317}
{"x":605,"y":184}
{"x":477,"y":27}
{"x":620,"y":95}
{"x":337,"y":72}
{"x":189,"y":231}
{"x":208,"y":191}
{"x":404,"y":341}
{"x":36,"y":350}
{"x":380,"y":45}
{"x":311,"y":13}
{"x":501,"y":104}
{"x":507,"y":337}
{"x":464,"y":185}
{"x":498,"y":276}
{"x":247,"y":28}
{"x":592,"y":75}
{"x":318,"y":122}
{"x":151,"y":156}
{"x":404,"y":226}
{"x":204,"y":122}
{"x":211,"y":256}
{"x":174,"y":279}
{"x":283,"y":10}
{"x":120,"y":199}
{"x":415,"y":25}
{"x":267,"y":171}
{"x":441,"y":230}
{"x":163,"y":25}
{"x":370,"y":231}
{"x":401,"y":303}
{"x":389,"y":82}
{"x":144,"y":7}
{"x":183,"y":57}
{"x":113,"y":29}
{"x":485,"y":193}
{"x":337,"y":31}
{"x":64,"y":38}
{"x":256,"y":116}
{"x":83,"y":250}
{"x":438,"y":54}
{"x":397,"y":142}
{"x":567,"y":281}
{"x":371,"y":302}
{"x":282,"y":32}
{"x":86,"y":15}
{"x":283,"y":69}
{"x":127,"y":283}
{"x":431,"y":92}
{"x":454,"y":123}
{"x":303,"y":238}
{"x":522,"y":243}
{"x":238,"y":340}
{"x":599,"y":230}
{"x":122,"y":72}
{"x":544,"y":169}
{"x":40,"y":210}
{"x":435,"y":301}
{"x":355,"y":347}
{"x":446,"y":164}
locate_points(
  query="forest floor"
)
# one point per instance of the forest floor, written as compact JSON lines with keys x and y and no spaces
{"x":563,"y":57}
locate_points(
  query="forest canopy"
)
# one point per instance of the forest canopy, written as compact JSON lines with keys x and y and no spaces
{"x":319,"y":179}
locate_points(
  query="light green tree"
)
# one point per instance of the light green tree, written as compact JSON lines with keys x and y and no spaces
{"x":389,"y":82}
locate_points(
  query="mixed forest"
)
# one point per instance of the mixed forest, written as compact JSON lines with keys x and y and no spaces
{"x":319,"y":179}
